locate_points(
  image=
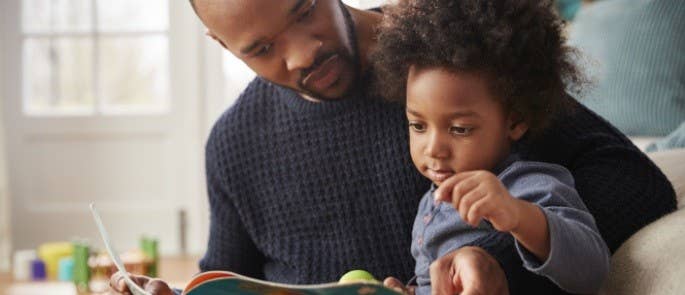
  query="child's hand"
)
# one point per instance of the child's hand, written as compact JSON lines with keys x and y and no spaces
{"x":479,"y":194}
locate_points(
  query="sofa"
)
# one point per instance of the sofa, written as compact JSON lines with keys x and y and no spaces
{"x":652,"y":261}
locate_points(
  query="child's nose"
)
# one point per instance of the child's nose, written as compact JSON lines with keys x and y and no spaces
{"x":437,"y":146}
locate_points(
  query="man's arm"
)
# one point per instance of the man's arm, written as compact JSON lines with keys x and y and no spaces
{"x":620,"y":186}
{"x":230,"y":247}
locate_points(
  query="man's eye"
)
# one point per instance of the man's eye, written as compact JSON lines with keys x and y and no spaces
{"x":417,"y":127}
{"x":264,"y":50}
{"x":458,"y":130}
{"x":307,"y":13}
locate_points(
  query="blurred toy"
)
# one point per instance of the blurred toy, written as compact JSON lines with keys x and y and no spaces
{"x":357,"y":275}
{"x":21,"y":266}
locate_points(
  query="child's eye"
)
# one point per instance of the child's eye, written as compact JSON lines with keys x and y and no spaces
{"x":462,"y":131}
{"x":418,"y":127}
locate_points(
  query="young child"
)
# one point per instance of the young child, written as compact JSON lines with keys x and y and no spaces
{"x":479,"y":77}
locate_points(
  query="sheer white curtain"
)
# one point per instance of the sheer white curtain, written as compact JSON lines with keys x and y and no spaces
{"x":4,"y":198}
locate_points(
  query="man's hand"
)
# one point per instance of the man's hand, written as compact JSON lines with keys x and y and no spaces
{"x":480,"y":195}
{"x":153,"y":286}
{"x":467,"y":271}
{"x":398,"y":286}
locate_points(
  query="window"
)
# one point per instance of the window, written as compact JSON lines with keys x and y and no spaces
{"x":95,"y":57}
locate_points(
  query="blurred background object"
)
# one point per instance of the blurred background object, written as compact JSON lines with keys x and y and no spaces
{"x":635,"y":53}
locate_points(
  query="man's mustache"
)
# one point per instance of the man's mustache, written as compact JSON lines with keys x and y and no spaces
{"x":317,"y":62}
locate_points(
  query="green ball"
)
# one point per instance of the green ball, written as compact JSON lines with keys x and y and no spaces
{"x":357,"y":275}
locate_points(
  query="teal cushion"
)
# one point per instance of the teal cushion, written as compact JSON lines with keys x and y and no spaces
{"x":568,"y":8}
{"x":636,"y":50}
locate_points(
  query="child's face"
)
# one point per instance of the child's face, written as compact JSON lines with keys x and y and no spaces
{"x":455,"y":123}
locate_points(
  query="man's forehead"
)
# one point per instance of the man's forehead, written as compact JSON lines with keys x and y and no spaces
{"x":242,"y":22}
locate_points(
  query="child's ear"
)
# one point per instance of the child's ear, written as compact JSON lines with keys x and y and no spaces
{"x":517,"y":126}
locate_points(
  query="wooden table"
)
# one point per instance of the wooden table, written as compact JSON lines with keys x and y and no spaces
{"x":176,"y":270}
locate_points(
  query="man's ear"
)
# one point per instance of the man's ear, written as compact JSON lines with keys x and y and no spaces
{"x":211,"y":35}
{"x":517,"y":126}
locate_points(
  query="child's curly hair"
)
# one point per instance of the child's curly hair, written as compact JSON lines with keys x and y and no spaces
{"x":517,"y":44}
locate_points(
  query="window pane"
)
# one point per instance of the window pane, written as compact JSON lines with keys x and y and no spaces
{"x":56,"y":15}
{"x":57,"y":75}
{"x":132,"y":15}
{"x":133,"y":73}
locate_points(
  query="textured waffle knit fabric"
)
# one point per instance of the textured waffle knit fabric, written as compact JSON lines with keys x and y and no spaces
{"x":302,"y":192}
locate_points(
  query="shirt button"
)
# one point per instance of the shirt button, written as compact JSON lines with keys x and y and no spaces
{"x":427,"y":218}
{"x":420,"y":241}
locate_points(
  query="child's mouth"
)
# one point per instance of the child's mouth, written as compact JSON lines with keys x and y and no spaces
{"x":439,"y":175}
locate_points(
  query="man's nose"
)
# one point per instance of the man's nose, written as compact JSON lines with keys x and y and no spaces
{"x":302,"y":52}
{"x":436,"y":146}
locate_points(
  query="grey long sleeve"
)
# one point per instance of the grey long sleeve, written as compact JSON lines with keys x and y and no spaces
{"x":578,"y":260}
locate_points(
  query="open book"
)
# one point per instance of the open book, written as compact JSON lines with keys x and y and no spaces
{"x":222,"y":282}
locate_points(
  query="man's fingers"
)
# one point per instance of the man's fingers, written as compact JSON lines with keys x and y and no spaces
{"x":394,"y":284}
{"x":158,"y":287}
{"x":118,"y":283}
{"x":456,"y":281}
{"x":441,"y":275}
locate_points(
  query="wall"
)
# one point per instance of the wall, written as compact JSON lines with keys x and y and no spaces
{"x":4,"y":198}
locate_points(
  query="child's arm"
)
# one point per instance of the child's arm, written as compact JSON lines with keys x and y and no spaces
{"x":480,"y":195}
{"x":577,"y":258}
{"x":532,"y":230}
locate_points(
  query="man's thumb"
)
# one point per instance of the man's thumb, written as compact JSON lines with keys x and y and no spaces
{"x":456,"y":281}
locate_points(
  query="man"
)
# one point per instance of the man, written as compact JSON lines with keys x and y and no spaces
{"x":309,"y":174}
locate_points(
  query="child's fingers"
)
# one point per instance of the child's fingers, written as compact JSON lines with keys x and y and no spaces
{"x":468,"y":200}
{"x":462,"y":188}
{"x":478,"y":211}
{"x":445,"y":191}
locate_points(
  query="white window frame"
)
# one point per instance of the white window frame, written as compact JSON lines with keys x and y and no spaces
{"x":94,"y":36}
{"x":186,"y":90}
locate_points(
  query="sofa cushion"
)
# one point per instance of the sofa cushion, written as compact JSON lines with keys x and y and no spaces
{"x":652,"y":261}
{"x":636,"y":48}
{"x":672,"y":164}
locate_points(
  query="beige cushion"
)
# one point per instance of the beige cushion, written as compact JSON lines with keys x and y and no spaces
{"x":653,"y":260}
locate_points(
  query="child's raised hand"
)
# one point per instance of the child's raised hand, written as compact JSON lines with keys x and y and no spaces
{"x":480,"y":195}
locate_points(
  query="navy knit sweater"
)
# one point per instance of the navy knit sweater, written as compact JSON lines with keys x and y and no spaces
{"x":301,"y":192}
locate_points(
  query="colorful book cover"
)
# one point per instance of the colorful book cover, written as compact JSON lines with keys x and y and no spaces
{"x":220,"y":283}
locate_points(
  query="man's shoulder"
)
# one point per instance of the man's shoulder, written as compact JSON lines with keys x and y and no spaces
{"x":248,"y":112}
{"x":255,"y":100}
{"x":256,"y":95}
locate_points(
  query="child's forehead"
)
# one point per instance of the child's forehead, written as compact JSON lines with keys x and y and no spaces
{"x":450,"y":93}
{"x":454,"y":87}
